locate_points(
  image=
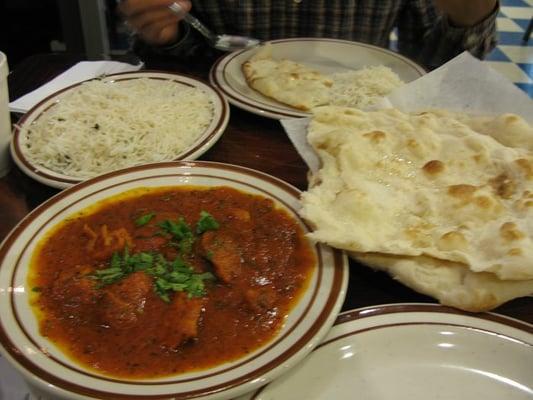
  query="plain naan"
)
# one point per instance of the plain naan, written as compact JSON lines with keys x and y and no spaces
{"x":426,"y":184}
{"x":453,"y":284}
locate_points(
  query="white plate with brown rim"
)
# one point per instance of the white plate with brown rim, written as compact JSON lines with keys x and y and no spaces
{"x":57,"y":178}
{"x":414,"y":351}
{"x":324,"y":55}
{"x":52,"y":374}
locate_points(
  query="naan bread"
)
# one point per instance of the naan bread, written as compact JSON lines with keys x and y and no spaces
{"x":508,"y":129}
{"x":453,"y":284}
{"x":304,"y":88}
{"x":426,"y":184}
{"x":286,"y":81}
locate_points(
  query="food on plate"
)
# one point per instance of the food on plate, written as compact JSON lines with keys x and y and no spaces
{"x":508,"y":129}
{"x":160,"y":281}
{"x":286,"y":81}
{"x":454,"y":284}
{"x":362,"y":88}
{"x":102,"y":126}
{"x":425,"y":191}
{"x":304,"y":88}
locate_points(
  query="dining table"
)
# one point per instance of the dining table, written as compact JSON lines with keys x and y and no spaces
{"x":249,"y":140}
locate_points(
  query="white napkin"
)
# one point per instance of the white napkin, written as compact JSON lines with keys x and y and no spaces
{"x":462,"y":84}
{"x":80,"y":72}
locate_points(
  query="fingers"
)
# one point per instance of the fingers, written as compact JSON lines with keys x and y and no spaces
{"x":152,"y":20}
{"x":156,"y":16}
{"x":160,"y":32}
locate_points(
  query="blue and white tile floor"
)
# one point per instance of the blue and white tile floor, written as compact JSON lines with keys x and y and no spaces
{"x":513,"y":57}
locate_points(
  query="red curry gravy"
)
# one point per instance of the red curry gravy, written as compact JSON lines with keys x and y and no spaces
{"x":258,"y":258}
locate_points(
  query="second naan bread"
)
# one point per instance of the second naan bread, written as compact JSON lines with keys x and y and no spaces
{"x":453,"y":284}
{"x":427,"y":184}
{"x":304,"y":88}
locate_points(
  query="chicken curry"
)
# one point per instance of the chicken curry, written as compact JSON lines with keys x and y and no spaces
{"x":162,"y":281}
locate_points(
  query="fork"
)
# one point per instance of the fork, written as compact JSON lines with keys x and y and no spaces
{"x":220,"y":42}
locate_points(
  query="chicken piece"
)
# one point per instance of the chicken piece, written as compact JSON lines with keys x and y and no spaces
{"x":182,"y":319}
{"x":260,"y":299}
{"x":269,"y":250}
{"x":123,"y":302}
{"x":240,"y":215}
{"x":223,"y":252}
{"x":73,"y":288}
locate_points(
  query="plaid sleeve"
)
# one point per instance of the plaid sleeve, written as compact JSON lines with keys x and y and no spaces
{"x":430,"y":39}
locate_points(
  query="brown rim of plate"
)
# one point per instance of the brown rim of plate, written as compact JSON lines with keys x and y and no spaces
{"x":372,"y":311}
{"x":351,"y":315}
{"x":336,"y":287}
{"x":279,"y":109}
{"x":207,"y":135}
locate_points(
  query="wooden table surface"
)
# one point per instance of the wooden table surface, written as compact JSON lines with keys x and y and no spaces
{"x":249,"y":140}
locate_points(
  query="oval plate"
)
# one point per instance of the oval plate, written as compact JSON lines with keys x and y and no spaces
{"x":324,"y":55}
{"x":52,"y":178}
{"x":45,"y":366}
{"x":414,"y":352}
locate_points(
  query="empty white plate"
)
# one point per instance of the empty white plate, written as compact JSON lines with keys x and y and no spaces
{"x":414,"y":352}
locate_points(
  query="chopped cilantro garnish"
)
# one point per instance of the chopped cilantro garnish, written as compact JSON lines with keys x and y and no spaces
{"x":116,"y":261}
{"x":206,"y":223}
{"x":179,"y":229}
{"x":36,"y":289}
{"x":108,"y":276}
{"x":168,"y":276}
{"x":181,"y":233}
{"x":186,"y":244}
{"x":195,"y":285}
{"x":174,"y":276}
{"x":144,"y":219}
{"x":177,"y":276}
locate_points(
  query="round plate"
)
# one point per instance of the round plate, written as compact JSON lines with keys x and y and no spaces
{"x":414,"y":352}
{"x":46,"y":367}
{"x":325,"y":55}
{"x":51,"y":178}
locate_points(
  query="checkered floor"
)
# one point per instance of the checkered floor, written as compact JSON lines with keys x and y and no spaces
{"x":513,"y":57}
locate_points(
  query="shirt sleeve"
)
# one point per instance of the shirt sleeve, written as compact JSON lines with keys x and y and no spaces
{"x":430,"y":39}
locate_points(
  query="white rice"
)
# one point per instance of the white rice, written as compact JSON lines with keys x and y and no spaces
{"x":362,"y":88}
{"x":103,"y":126}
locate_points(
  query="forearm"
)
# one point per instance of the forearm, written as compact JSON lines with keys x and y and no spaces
{"x":465,"y":13}
{"x":432,"y":38}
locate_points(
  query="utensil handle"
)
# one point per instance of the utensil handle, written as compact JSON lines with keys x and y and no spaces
{"x":191,"y":20}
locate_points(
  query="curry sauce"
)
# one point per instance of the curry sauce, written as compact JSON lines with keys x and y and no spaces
{"x":162,"y":281}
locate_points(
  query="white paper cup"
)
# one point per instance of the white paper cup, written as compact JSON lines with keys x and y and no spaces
{"x":5,"y":119}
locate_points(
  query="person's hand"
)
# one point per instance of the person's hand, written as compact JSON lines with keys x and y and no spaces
{"x":466,"y":13}
{"x":152,"y":20}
